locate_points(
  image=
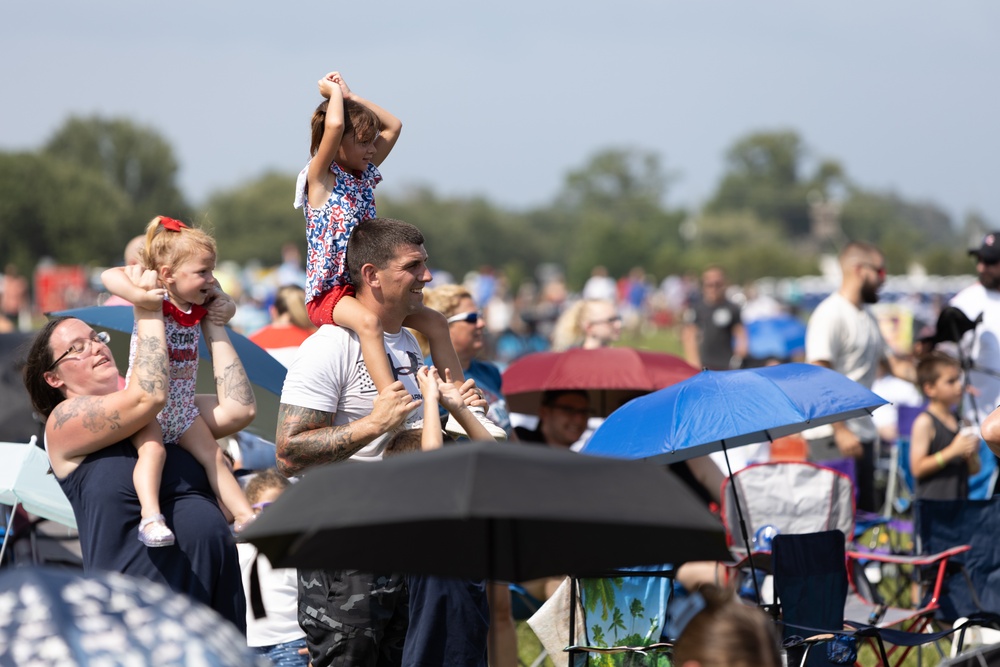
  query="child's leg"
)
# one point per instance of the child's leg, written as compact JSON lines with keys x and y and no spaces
{"x":351,"y":314}
{"x":199,"y":442}
{"x":149,"y":468}
{"x":153,"y":530}
{"x":434,"y":325}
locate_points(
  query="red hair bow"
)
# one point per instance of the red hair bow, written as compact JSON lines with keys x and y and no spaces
{"x":171,"y":224}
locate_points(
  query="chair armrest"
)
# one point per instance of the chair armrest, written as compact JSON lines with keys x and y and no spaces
{"x":940,"y":559}
{"x":925,"y":559}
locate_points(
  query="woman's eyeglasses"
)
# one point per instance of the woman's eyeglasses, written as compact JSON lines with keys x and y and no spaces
{"x":82,"y":347}
{"x":471,"y":318}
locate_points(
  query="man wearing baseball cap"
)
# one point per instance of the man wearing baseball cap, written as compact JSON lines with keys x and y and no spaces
{"x":980,"y":347}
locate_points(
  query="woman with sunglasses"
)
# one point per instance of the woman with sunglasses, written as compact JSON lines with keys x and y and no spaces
{"x":465,"y":326}
{"x":72,"y":379}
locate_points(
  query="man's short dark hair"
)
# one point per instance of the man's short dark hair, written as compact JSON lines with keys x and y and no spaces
{"x":550,"y":396}
{"x":375,"y":242}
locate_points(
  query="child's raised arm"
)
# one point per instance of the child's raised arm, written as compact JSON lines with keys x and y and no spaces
{"x":118,"y":283}
{"x":431,"y":437}
{"x":333,"y":134}
{"x":390,"y":125}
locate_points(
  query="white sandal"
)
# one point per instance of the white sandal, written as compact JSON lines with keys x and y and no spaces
{"x":153,"y":532}
{"x":240,"y":526}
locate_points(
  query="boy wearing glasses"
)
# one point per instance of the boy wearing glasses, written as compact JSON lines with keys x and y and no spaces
{"x":562,"y":419}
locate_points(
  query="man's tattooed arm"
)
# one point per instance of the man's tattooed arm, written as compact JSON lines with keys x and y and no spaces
{"x":308,"y":438}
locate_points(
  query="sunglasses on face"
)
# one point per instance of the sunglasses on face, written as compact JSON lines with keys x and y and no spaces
{"x":878,"y":269}
{"x":471,"y":318}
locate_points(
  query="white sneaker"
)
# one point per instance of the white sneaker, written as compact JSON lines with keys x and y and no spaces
{"x":452,"y":427}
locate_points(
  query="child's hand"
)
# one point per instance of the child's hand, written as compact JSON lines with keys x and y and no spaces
{"x":451,"y":397}
{"x":332,"y":84}
{"x":327,"y":88}
{"x":339,"y":80}
{"x":428,"y":383}
{"x":147,"y":280}
{"x":965,"y":444}
{"x":392,"y":405}
{"x":220,"y":306}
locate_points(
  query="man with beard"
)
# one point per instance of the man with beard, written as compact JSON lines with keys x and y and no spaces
{"x":982,"y":345}
{"x":843,"y":334}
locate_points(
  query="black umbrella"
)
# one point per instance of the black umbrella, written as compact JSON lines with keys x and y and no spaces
{"x":50,"y":616}
{"x":485,"y":510}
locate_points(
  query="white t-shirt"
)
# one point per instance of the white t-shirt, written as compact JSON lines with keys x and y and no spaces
{"x":849,"y":339}
{"x":280,"y":594}
{"x":898,"y":392}
{"x":982,"y":347}
{"x":330,"y":375}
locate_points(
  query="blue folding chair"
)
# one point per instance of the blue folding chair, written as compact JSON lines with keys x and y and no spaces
{"x":972,"y":581}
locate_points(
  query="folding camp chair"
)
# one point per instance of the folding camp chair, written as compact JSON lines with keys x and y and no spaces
{"x":785,"y":497}
{"x":972,"y":582}
{"x":818,"y":597}
{"x":899,"y":486}
{"x":800,"y":497}
{"x":624,"y":616}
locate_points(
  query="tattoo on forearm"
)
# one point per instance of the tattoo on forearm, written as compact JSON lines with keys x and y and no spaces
{"x":150,"y":366}
{"x":91,"y":412}
{"x":235,"y":384}
{"x":308,"y":438}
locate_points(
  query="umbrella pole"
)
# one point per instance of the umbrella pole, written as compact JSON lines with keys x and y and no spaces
{"x":743,"y":525}
{"x":6,"y":531}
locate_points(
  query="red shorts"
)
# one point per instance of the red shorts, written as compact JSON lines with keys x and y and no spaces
{"x":321,"y":308}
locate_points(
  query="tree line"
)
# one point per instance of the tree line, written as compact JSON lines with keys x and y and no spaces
{"x":95,"y":183}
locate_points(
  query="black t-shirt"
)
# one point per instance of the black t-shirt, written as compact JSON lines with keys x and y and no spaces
{"x":715,"y":324}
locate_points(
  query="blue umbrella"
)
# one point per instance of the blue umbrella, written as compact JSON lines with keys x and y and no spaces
{"x":265,"y":372}
{"x":715,"y":410}
{"x":781,"y":336}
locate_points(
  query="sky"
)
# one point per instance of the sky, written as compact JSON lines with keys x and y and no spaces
{"x":502,"y":100}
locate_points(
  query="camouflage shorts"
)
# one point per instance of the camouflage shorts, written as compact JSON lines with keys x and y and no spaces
{"x":353,"y":618}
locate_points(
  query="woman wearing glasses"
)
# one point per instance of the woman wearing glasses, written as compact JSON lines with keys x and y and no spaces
{"x":588,"y":323}
{"x":72,"y":379}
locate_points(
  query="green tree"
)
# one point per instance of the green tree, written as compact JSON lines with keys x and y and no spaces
{"x":136,"y":159}
{"x":465,"y":234}
{"x":51,"y":208}
{"x":254,"y":221}
{"x":611,"y":212}
{"x":765,"y":175}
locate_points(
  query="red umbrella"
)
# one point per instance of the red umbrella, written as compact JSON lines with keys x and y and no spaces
{"x":612,"y":375}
